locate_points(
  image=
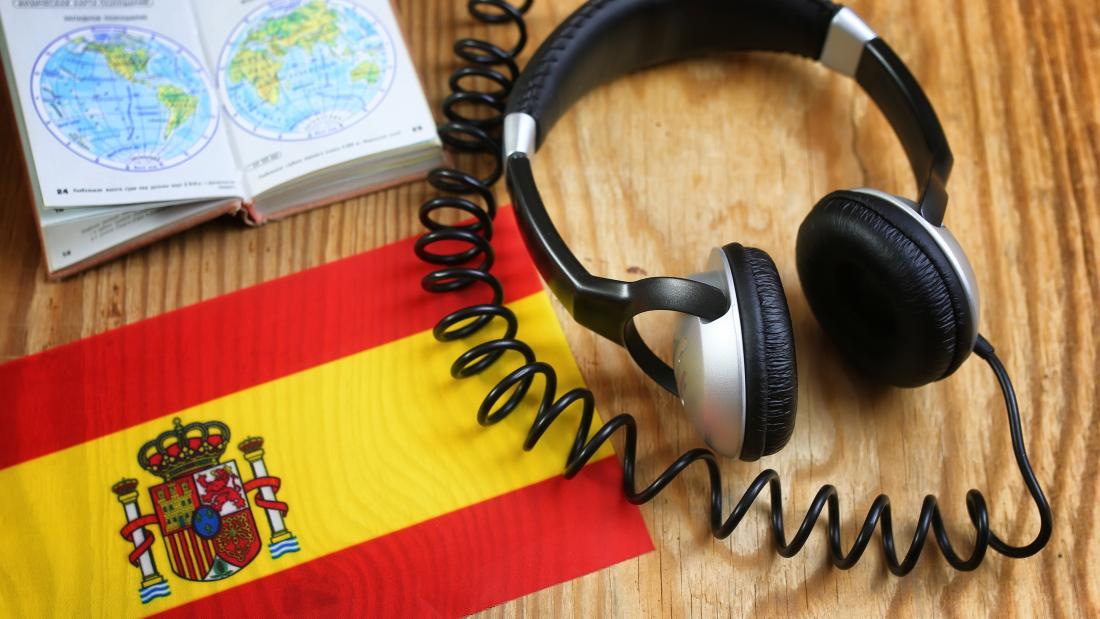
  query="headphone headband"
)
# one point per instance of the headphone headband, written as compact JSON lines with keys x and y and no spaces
{"x":606,"y":39}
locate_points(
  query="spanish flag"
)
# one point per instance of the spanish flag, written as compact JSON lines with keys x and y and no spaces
{"x":297,"y":447}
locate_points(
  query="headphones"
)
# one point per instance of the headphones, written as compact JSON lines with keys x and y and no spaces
{"x":885,"y":279}
{"x":882,"y":275}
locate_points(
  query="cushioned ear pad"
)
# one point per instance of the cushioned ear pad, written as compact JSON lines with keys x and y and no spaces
{"x":883,"y":290}
{"x":771,"y":376}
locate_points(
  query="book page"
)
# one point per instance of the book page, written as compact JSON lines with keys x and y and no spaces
{"x":116,"y":102}
{"x":70,"y":239}
{"x":311,"y":84}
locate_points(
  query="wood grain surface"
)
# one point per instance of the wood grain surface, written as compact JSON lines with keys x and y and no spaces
{"x":659,"y":167}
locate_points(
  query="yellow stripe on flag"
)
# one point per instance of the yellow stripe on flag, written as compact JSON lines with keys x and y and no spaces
{"x":364,"y":445}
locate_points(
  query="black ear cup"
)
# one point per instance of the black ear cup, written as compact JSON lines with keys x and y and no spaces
{"x":883,"y":290}
{"x":771,"y":376}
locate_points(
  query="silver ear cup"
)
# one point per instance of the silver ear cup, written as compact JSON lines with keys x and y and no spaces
{"x":708,"y":361}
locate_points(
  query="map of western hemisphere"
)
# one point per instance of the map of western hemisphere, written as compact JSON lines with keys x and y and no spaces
{"x":124,"y":97}
{"x":304,"y":69}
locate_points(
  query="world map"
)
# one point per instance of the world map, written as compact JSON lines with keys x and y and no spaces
{"x":302,"y":70}
{"x":124,"y":97}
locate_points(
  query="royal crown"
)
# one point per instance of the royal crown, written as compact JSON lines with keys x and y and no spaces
{"x":251,"y":444}
{"x":184,"y":448}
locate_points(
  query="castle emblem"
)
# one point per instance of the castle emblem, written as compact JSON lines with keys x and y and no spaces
{"x":202,"y":507}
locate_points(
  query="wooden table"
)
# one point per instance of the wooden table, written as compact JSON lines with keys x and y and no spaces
{"x":663,"y":166}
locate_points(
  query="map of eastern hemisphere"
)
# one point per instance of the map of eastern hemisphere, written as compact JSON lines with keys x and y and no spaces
{"x":301,"y":70}
{"x":124,"y":97}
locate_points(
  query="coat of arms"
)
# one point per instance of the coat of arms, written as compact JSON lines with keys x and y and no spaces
{"x":202,"y":507}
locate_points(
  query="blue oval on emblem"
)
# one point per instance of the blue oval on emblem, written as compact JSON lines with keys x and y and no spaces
{"x":206,"y":522}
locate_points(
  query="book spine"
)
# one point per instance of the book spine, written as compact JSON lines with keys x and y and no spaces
{"x":250,"y":215}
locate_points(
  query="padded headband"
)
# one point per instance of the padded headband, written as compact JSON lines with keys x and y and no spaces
{"x":605,"y":39}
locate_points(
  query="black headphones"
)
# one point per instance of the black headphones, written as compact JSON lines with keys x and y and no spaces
{"x":884,"y":278}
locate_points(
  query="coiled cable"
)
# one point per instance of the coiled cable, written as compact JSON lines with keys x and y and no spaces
{"x":472,"y":196}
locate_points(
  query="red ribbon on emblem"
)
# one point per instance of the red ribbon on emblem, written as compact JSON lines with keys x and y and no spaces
{"x":266,"y":482}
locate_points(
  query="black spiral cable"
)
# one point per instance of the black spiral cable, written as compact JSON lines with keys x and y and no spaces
{"x":479,"y":135}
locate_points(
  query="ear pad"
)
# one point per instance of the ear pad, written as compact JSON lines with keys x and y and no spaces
{"x":771,"y":377}
{"x":883,"y":290}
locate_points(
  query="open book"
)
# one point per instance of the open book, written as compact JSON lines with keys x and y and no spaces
{"x":143,"y":117}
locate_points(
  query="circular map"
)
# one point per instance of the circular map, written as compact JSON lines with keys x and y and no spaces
{"x":303,"y":69}
{"x":124,"y":97}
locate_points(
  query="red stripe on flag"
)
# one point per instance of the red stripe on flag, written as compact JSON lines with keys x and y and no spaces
{"x":208,"y":552}
{"x":183,"y":537}
{"x":177,"y":563}
{"x":185,"y":546}
{"x":100,"y":385}
{"x":461,"y":562}
{"x":196,"y":552}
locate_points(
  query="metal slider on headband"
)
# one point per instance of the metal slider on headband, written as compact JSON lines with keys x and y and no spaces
{"x":844,"y":43}
{"x":520,"y":133}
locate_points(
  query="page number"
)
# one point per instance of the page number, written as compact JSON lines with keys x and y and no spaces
{"x":417,"y":128}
